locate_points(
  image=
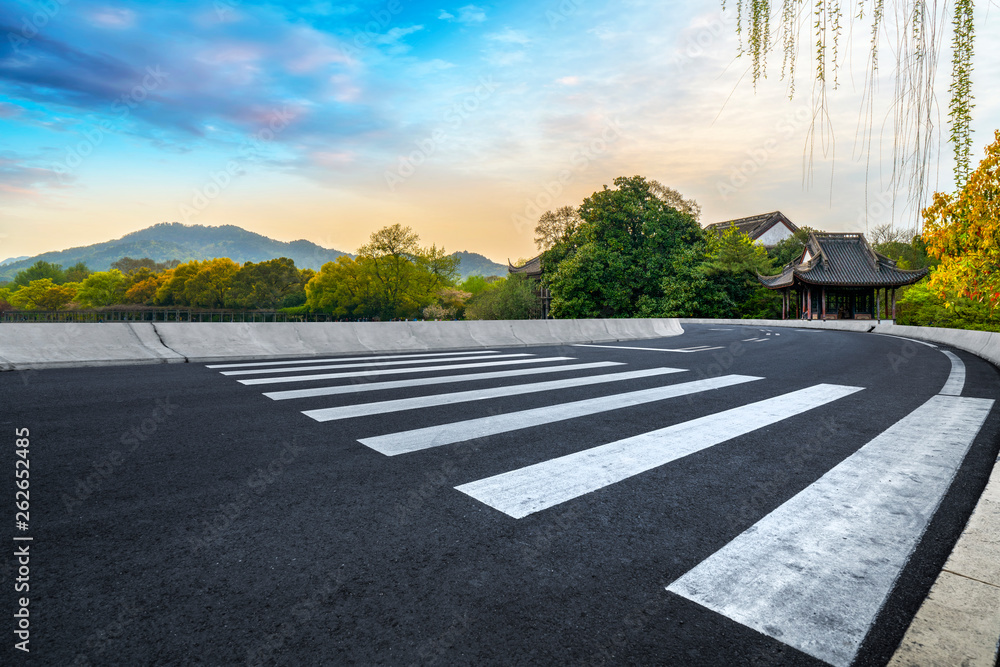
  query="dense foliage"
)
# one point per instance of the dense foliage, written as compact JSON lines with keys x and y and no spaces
{"x":638,"y":251}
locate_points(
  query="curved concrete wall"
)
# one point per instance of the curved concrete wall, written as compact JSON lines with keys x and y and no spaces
{"x":48,"y":345}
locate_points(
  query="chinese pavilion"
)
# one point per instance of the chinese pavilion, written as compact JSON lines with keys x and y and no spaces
{"x":840,"y":276}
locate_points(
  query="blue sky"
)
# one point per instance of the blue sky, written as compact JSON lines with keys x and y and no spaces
{"x":329,"y":120}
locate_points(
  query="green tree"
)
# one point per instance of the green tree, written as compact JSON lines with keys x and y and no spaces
{"x":391,"y":253}
{"x":345,"y":288}
{"x":620,"y":253}
{"x":104,"y":288}
{"x":511,"y":298}
{"x":272,"y":284}
{"x":173,"y":285}
{"x":209,"y":287}
{"x":77,"y":273}
{"x":43,"y":294}
{"x":40,"y":270}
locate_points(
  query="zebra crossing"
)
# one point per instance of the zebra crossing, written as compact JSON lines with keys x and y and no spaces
{"x":813,"y":573}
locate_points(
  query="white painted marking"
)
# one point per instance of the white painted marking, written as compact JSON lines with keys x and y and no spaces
{"x":441,"y":379}
{"x":446,"y":434}
{"x":378,"y":364}
{"x":711,"y":329}
{"x":356,"y":358}
{"x":912,"y":340}
{"x":381,"y":407}
{"x":650,"y":349}
{"x":956,"y":378}
{"x":815,"y":572}
{"x":754,"y":340}
{"x":537,"y":487}
{"x":399,"y":371}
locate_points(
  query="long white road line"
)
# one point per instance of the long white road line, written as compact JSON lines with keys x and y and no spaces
{"x":956,"y":379}
{"x":355,"y":358}
{"x":537,"y":487}
{"x":815,"y":572}
{"x":439,"y":379}
{"x":382,"y":364}
{"x":405,"y":442}
{"x":697,"y":348}
{"x":382,"y":407}
{"x":400,"y":371}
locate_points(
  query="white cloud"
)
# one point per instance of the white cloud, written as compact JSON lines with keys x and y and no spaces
{"x":568,"y":80}
{"x":466,"y":14}
{"x":508,"y":36}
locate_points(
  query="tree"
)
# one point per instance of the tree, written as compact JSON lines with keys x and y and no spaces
{"x":128,"y":265}
{"x":552,"y":226}
{"x":40,"y":270}
{"x":77,"y":273}
{"x":345,"y":288}
{"x":917,"y":29}
{"x":267,"y":285}
{"x":963,"y":231}
{"x":620,"y":253}
{"x":510,"y":298}
{"x":209,"y":287}
{"x":789,"y":249}
{"x":42,"y":294}
{"x":391,"y":253}
{"x":104,"y":288}
{"x":172,"y":289}
{"x":143,"y":291}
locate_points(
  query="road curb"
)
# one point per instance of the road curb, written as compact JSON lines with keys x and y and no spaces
{"x":959,"y":622}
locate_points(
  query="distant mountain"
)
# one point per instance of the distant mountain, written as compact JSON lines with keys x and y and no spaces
{"x":11,"y":260}
{"x":474,"y":264}
{"x":172,"y":240}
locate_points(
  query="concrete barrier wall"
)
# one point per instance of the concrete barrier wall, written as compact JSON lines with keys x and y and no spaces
{"x":50,"y":345}
{"x":983,"y":344}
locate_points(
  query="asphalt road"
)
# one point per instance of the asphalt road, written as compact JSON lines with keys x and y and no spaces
{"x":760,"y":500}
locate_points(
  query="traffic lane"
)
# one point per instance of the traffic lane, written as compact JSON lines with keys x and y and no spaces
{"x":428,"y":496}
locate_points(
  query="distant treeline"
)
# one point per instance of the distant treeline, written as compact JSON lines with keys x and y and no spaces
{"x":392,"y":277}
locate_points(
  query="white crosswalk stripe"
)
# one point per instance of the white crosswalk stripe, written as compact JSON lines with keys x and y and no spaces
{"x":401,"y":371}
{"x":522,"y":492}
{"x":441,"y":379}
{"x":815,"y":572}
{"x":382,"y":407}
{"x":393,"y":444}
{"x":338,"y":359}
{"x":379,"y":364}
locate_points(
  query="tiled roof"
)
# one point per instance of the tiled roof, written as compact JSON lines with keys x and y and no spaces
{"x":533,"y":267}
{"x":843,"y":260}
{"x":755,"y":225}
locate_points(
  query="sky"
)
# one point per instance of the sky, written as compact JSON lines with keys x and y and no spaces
{"x":329,"y":120}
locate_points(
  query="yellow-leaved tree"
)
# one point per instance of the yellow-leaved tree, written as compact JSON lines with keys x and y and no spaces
{"x":963,"y":230}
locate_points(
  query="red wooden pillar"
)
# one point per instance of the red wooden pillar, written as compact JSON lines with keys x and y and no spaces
{"x":893,"y":304}
{"x":822,"y":302}
{"x":809,"y":302}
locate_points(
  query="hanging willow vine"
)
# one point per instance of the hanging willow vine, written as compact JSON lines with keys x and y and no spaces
{"x":918,"y":28}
